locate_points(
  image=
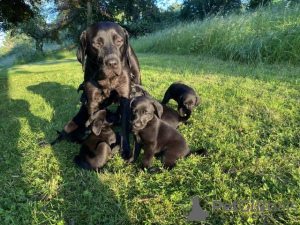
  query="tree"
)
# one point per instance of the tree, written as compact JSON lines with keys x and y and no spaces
{"x":82,"y":13}
{"x":13,"y":12}
{"x":253,"y":4}
{"x":199,"y":9}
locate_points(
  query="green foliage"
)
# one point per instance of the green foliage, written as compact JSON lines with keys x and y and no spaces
{"x":199,"y":9}
{"x":13,"y":12}
{"x":249,"y":122}
{"x":253,"y":4}
{"x":267,"y":35}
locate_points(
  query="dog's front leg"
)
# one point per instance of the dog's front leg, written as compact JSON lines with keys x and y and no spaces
{"x":148,"y":156}
{"x":135,"y":151}
{"x":167,"y":97}
{"x":125,"y":127}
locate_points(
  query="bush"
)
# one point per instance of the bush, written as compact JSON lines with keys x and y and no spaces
{"x":268,"y":35}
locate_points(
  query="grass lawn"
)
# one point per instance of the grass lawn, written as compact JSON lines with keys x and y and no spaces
{"x":249,"y":121}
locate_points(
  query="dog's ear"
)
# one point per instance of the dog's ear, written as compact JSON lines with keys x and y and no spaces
{"x":127,"y":47}
{"x":131,"y":101}
{"x":81,"y":52}
{"x":198,"y":101}
{"x":99,"y":115}
{"x":180,"y":103}
{"x":158,"y":108}
{"x":97,"y":126}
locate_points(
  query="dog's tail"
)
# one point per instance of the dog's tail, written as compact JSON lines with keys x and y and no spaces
{"x":201,"y":151}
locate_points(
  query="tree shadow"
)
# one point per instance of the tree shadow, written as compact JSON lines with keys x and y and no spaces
{"x":17,"y":194}
{"x":82,"y":191}
{"x":80,"y":197}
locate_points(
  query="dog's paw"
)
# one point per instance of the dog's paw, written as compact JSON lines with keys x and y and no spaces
{"x":154,"y":170}
{"x":43,"y":144}
{"x":125,"y":155}
{"x":130,"y":160}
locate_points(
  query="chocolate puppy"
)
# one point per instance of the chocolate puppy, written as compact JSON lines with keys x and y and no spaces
{"x":99,"y":145}
{"x":156,"y":135}
{"x":75,"y":129}
{"x":171,"y":117}
{"x":184,"y":95}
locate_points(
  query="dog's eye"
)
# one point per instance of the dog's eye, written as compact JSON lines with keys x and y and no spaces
{"x":98,"y":43}
{"x":119,"y":41}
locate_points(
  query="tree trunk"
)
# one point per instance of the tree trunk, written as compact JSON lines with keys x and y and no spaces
{"x":203,"y":8}
{"x":39,"y":46}
{"x":89,"y":13}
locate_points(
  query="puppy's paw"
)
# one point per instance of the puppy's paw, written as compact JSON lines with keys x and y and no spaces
{"x":130,"y":160}
{"x":125,"y":155}
{"x":154,"y":170}
{"x":43,"y":144}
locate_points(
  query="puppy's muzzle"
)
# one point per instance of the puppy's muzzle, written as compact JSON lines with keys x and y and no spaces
{"x":137,"y":125}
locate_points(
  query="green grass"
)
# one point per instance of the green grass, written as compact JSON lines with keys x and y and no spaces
{"x":249,"y":122}
{"x":268,"y":35}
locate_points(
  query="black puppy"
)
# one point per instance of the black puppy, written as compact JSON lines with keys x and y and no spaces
{"x":184,"y":95}
{"x":171,"y":117}
{"x":99,"y":145}
{"x":75,"y":129}
{"x":156,"y":135}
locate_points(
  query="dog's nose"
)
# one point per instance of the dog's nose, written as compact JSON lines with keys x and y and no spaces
{"x":112,"y":63}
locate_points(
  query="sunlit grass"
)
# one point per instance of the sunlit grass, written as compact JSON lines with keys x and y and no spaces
{"x":249,"y":121}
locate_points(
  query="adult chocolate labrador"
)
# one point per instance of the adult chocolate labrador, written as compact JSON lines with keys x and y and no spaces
{"x":107,"y":58}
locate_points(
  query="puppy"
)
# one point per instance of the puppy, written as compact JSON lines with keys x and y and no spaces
{"x":95,"y":95}
{"x":138,"y":90}
{"x":184,"y":95}
{"x":171,"y":117}
{"x":75,"y":129}
{"x":156,"y":135}
{"x":99,"y":145}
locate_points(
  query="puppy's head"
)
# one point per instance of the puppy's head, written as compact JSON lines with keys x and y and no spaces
{"x":143,"y":109}
{"x":98,"y":121}
{"x":187,"y":103}
{"x":106,"y":45}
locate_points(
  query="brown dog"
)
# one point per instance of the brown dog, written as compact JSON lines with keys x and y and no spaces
{"x":156,"y":135}
{"x":75,"y":129}
{"x":184,"y":95}
{"x":171,"y":117}
{"x":107,"y":58}
{"x":99,"y":145}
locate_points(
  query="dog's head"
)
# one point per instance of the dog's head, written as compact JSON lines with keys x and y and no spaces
{"x":187,"y":103}
{"x":143,"y":109}
{"x":106,"y":45}
{"x":98,"y":121}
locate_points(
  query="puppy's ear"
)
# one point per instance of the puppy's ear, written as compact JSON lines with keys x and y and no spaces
{"x":198,"y":101}
{"x":127,"y":47}
{"x":81,"y":52}
{"x":97,"y":126}
{"x":158,"y":108}
{"x":131,"y":101}
{"x":99,"y":115}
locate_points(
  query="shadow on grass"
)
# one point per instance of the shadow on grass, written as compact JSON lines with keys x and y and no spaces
{"x":85,"y":198}
{"x":80,"y":197}
{"x":16,"y":197}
